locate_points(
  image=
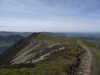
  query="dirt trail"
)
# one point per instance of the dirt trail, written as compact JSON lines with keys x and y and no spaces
{"x":87,"y":60}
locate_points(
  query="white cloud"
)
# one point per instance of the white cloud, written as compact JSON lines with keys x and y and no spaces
{"x":50,"y":15}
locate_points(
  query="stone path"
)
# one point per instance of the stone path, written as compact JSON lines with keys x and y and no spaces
{"x":86,"y":62}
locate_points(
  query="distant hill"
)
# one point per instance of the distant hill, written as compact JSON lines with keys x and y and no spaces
{"x":7,"y":39}
{"x":4,"y":33}
{"x":10,"y":38}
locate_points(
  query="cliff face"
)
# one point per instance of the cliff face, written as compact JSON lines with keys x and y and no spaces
{"x":34,"y":48}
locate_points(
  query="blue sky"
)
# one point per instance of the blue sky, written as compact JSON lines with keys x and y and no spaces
{"x":50,"y":15}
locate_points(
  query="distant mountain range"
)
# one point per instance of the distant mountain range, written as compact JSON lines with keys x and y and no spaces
{"x":7,"y":39}
{"x":5,"y":33}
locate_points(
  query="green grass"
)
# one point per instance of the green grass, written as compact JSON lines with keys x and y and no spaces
{"x":58,"y":65}
{"x":96,"y":58}
{"x":96,"y":61}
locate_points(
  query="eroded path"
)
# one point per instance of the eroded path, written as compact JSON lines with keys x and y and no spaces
{"x":86,"y":62}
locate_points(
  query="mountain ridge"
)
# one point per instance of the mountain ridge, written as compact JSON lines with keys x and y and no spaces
{"x":41,"y":50}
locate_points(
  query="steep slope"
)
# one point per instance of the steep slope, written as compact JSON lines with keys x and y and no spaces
{"x":13,"y":50}
{"x":49,"y":54}
{"x":33,"y":49}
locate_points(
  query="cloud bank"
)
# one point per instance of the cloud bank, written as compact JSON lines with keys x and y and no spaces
{"x":50,"y":15}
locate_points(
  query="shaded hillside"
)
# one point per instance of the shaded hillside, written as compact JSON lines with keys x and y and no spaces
{"x":10,"y":38}
{"x":11,"y":52}
{"x":47,"y":55}
{"x":7,"y":41}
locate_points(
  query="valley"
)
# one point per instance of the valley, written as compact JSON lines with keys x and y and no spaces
{"x":7,"y":39}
